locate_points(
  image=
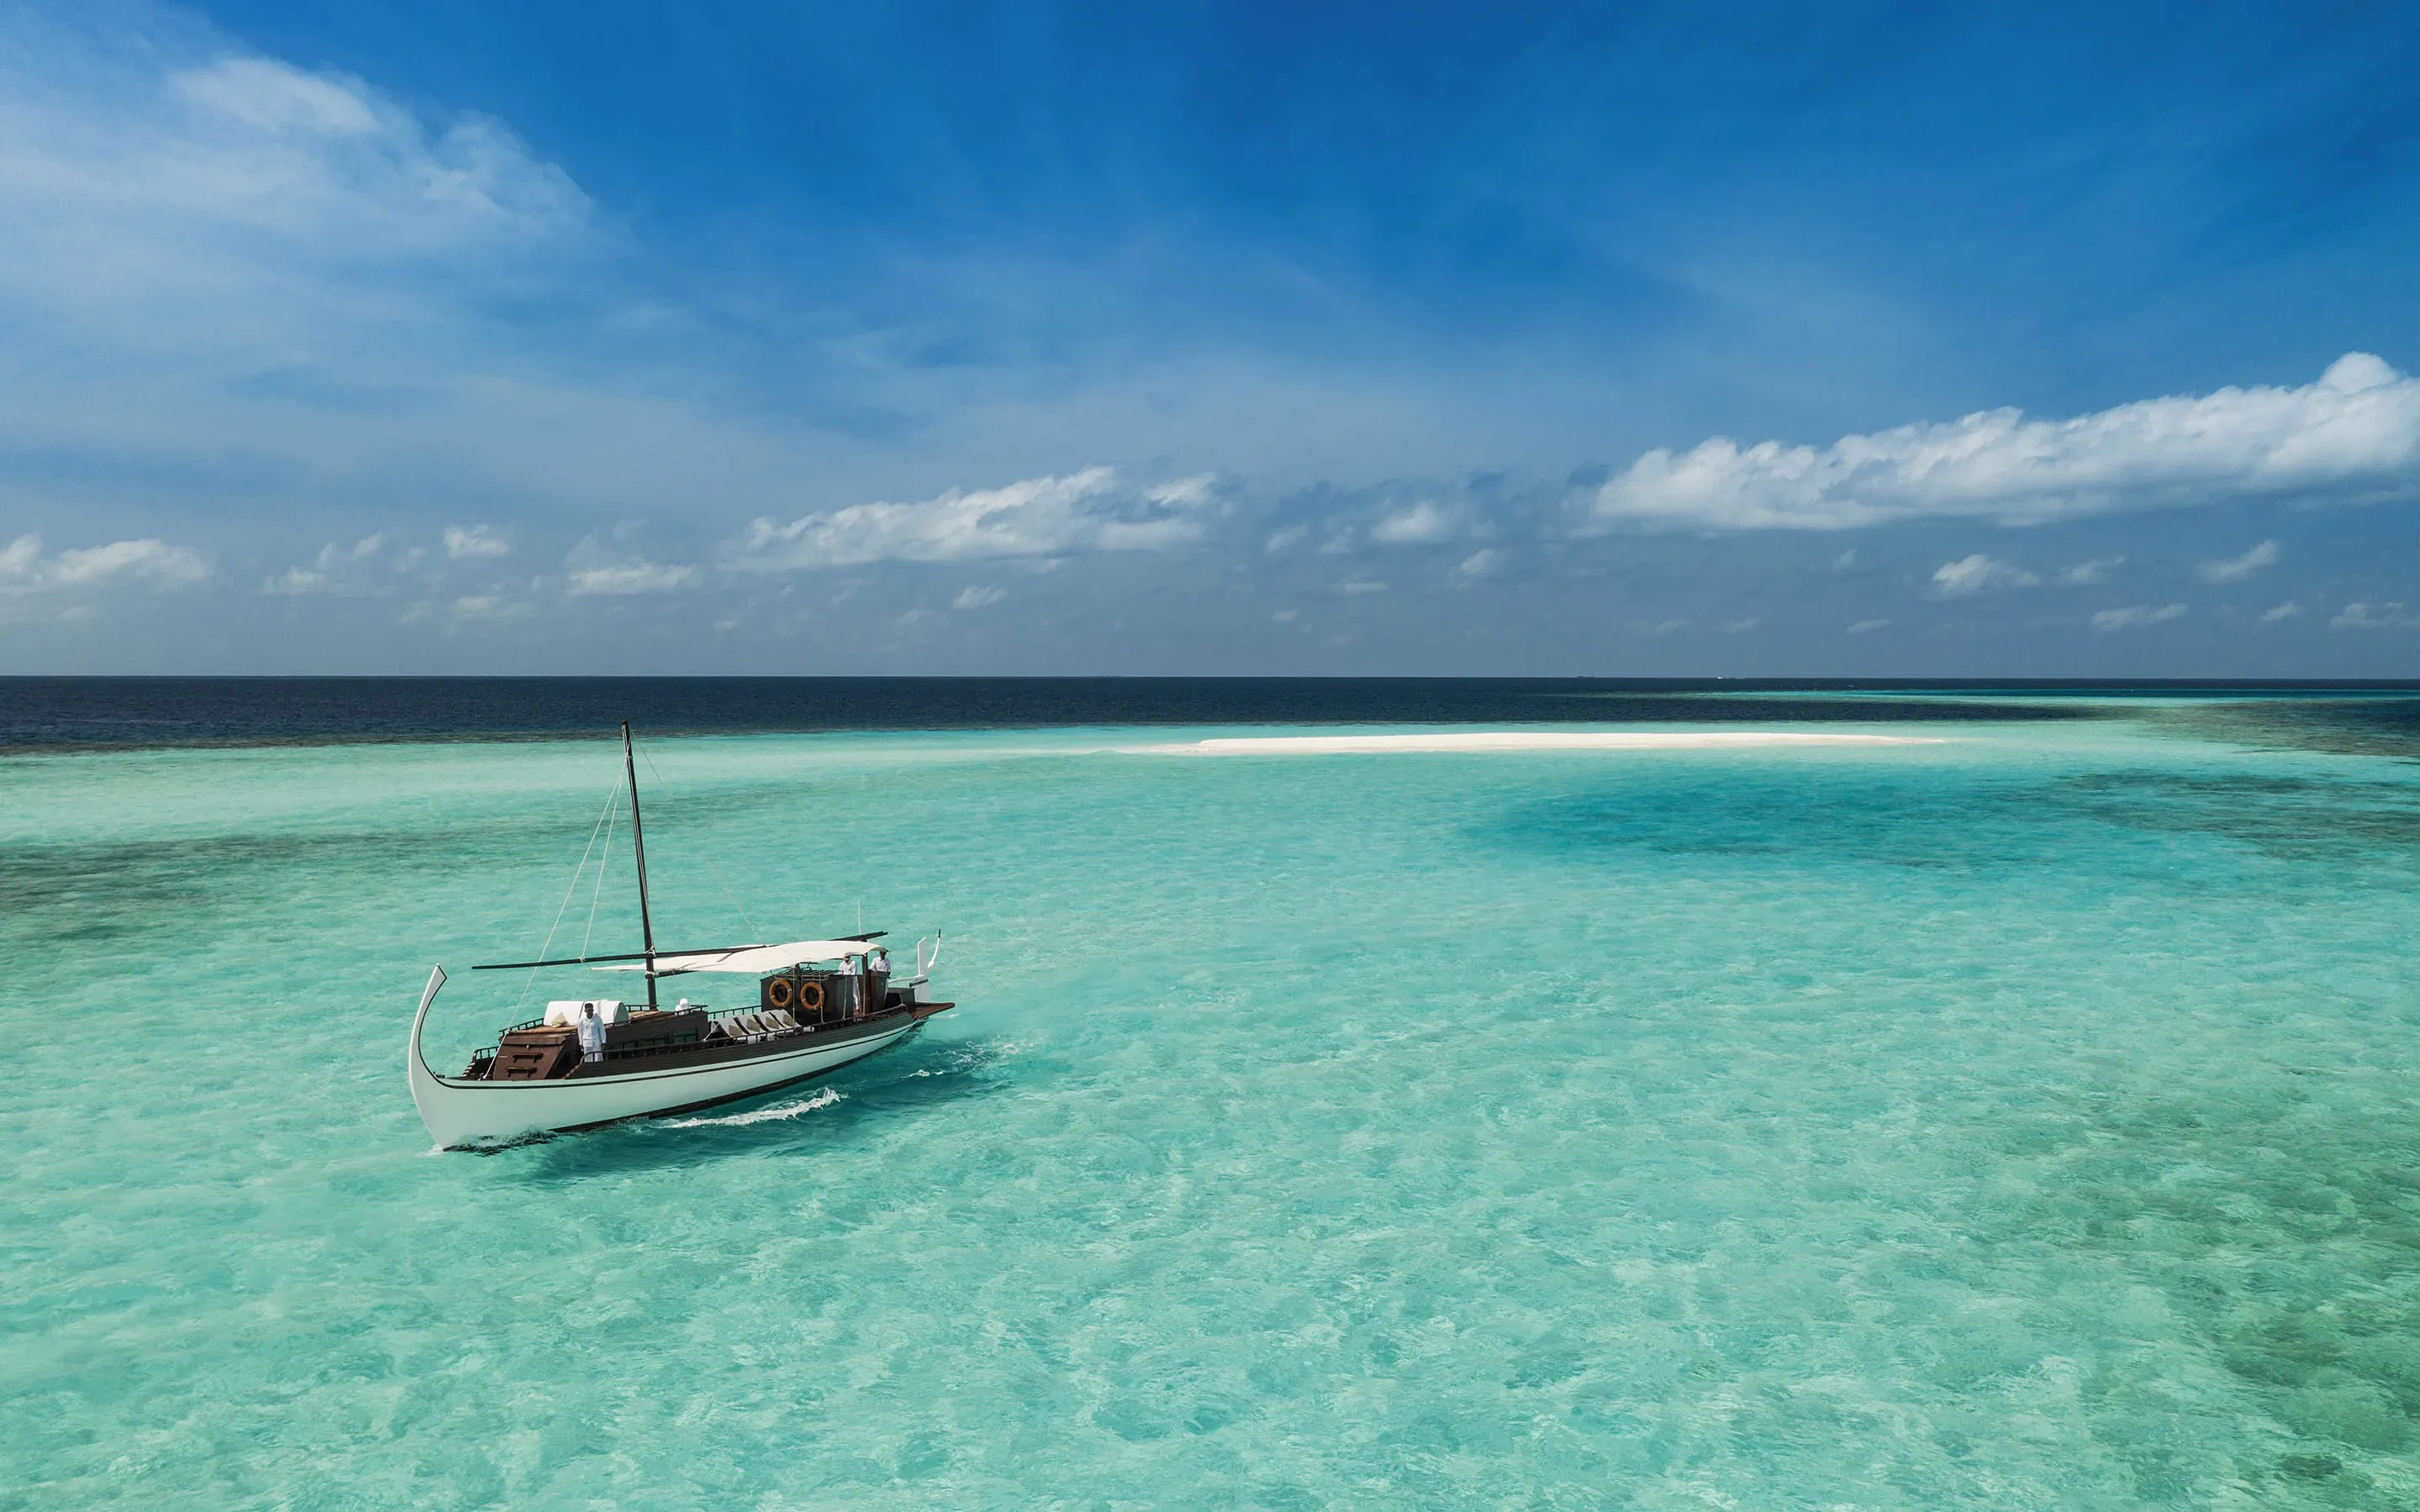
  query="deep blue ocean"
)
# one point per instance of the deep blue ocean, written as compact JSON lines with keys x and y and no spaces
{"x":2018,"y":1114}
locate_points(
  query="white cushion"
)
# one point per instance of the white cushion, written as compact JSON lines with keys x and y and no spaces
{"x":566,"y":1011}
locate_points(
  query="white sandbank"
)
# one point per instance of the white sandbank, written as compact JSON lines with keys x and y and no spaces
{"x":1487,"y":740}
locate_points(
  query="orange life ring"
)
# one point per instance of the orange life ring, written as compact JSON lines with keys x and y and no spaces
{"x":811,"y":998}
{"x":778,"y":993}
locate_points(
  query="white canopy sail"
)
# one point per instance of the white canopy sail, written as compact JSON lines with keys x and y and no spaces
{"x":756,"y":961}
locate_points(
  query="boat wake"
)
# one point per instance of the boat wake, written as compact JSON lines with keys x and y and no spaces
{"x":976,"y":1056}
{"x":777,"y":1112}
{"x":1496,"y":740}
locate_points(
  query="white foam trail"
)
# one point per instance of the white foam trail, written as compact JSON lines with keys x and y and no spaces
{"x":779,"y":1110}
{"x":1492,"y":740}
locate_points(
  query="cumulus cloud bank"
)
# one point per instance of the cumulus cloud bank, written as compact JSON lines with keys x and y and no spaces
{"x":1421,"y":524}
{"x":2353,"y":434}
{"x":1084,"y":511}
{"x":29,"y":579}
{"x":2365,"y":616}
{"x":24,"y":568}
{"x":328,"y":572}
{"x":463,"y":541}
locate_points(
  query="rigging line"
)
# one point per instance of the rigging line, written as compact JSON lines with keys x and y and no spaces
{"x":727,"y":895}
{"x":612,"y":817}
{"x":565,"y":905}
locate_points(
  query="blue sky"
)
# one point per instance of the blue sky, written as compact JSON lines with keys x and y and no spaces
{"x":1681,"y":340}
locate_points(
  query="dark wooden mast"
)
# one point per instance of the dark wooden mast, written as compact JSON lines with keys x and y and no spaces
{"x":639,"y":845}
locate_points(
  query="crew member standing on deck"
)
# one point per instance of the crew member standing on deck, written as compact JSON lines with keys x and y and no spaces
{"x":591,"y":1034}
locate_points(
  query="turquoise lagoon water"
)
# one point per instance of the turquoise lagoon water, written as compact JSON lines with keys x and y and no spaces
{"x":2023,"y":1120}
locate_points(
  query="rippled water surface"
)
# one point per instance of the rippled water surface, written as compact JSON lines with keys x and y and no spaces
{"x":2022,"y":1120}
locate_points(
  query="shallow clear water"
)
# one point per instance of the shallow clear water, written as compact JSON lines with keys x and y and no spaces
{"x":2025,"y":1120}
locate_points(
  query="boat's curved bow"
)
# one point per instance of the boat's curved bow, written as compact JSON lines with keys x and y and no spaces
{"x":427,"y":1093}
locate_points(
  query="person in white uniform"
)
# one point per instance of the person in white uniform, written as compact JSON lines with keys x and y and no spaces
{"x":591,"y":1034}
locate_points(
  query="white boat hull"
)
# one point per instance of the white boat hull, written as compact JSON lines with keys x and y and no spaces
{"x":461,"y":1113}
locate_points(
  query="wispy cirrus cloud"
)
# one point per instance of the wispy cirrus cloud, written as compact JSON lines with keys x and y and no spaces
{"x":248,"y":156}
{"x":1487,"y":561}
{"x":2353,"y":434}
{"x":1078,"y":512}
{"x":608,"y":564}
{"x":2235,"y":569}
{"x":1974,"y":574}
{"x":2135,"y":615}
{"x":629,"y":577}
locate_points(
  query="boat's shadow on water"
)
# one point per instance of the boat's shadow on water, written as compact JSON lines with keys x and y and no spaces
{"x":828,"y":1113}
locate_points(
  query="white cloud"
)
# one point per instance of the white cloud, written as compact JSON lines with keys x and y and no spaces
{"x":1281,"y":540}
{"x":30,"y":580}
{"x":1185,"y":493}
{"x":978,"y":596}
{"x":2361,"y":616}
{"x":176,"y":197}
{"x":151,"y":561}
{"x":1741,"y":627}
{"x":2134,"y":615}
{"x":628,"y":578}
{"x":2235,"y":569}
{"x":1355,"y":589}
{"x":473,"y":541}
{"x":259,"y":280}
{"x":2285,"y":610}
{"x":1845,"y":559}
{"x":1971,"y":575}
{"x":497,"y":606}
{"x":2355,"y":433}
{"x":470,"y":609}
{"x":1041,"y":517}
{"x":1867,"y":626}
{"x":1485,"y":562}
{"x":1286,"y":616}
{"x":2089,"y":574}
{"x":24,"y":569}
{"x":250,"y":145}
{"x":1420,"y":524}
{"x":330,"y":571}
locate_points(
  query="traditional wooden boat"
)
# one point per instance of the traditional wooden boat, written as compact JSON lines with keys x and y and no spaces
{"x":819,"y":1004}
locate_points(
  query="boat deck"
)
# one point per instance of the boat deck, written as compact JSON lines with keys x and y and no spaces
{"x":659,"y":1039}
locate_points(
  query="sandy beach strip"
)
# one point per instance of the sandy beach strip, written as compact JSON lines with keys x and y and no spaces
{"x":1496,"y":740}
